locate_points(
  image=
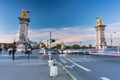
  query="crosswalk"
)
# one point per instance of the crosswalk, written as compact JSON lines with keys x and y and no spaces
{"x":71,"y":63}
{"x":72,"y":60}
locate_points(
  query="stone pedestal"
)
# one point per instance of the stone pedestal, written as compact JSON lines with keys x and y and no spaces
{"x":100,"y":37}
{"x":23,"y":32}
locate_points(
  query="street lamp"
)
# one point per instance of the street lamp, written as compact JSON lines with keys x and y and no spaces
{"x":111,"y":37}
{"x":118,"y":48}
{"x":13,"y":53}
{"x":80,"y":44}
{"x":50,"y":39}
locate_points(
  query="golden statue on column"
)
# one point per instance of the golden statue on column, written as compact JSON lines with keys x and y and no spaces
{"x":24,"y":13}
{"x":99,"y":21}
{"x":100,"y":35}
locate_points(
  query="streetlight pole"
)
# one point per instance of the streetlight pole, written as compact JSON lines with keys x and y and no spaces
{"x":80,"y":44}
{"x":13,"y":53}
{"x":50,"y":39}
{"x":111,"y":37}
{"x":118,"y":48}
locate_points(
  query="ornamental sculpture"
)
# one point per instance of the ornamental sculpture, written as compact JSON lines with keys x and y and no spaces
{"x":24,"y":13}
{"x":99,"y":21}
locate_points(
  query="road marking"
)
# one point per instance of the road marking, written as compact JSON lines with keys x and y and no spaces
{"x":63,"y":61}
{"x":73,"y":78}
{"x":104,"y":78}
{"x":70,"y":66}
{"x":77,"y":60}
{"x":88,"y":70}
{"x":85,"y":59}
{"x":70,"y":60}
{"x":92,"y":59}
{"x":30,"y":64}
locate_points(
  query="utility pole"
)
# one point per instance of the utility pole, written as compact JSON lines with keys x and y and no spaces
{"x":50,"y":38}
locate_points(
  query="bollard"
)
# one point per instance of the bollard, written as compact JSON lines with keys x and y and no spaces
{"x":49,"y":54}
{"x":53,"y":70}
{"x":50,"y":62}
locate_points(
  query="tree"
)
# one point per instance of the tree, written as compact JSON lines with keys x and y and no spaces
{"x":58,"y":46}
{"x":90,"y":45}
{"x":75,"y":46}
{"x":41,"y":44}
{"x":84,"y":46}
{"x":67,"y":47}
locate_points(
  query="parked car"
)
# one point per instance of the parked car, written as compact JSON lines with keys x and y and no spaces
{"x":54,"y":51}
{"x":84,"y":52}
{"x":21,"y":50}
{"x":74,"y":52}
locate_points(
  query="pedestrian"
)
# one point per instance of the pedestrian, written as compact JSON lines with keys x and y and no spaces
{"x":10,"y":51}
{"x":42,"y":53}
{"x":0,"y":50}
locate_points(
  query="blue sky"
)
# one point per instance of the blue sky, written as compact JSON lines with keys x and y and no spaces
{"x":69,"y":20}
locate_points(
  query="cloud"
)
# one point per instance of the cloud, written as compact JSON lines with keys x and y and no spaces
{"x":76,"y":34}
{"x":67,"y":34}
{"x":110,"y":29}
{"x":8,"y":38}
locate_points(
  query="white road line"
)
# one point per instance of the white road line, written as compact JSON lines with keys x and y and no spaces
{"x":63,"y":61}
{"x":92,"y":59}
{"x":88,"y":70}
{"x":104,"y":78}
{"x":73,"y":78}
{"x":69,"y":60}
{"x":77,"y":60}
{"x":85,"y":59}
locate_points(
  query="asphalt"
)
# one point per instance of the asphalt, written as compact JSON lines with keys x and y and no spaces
{"x":23,"y":68}
{"x":92,"y":67}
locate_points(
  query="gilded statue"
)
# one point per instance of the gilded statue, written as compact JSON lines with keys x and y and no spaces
{"x":24,"y":13}
{"x":99,"y":21}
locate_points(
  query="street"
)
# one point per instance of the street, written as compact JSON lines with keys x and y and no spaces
{"x":82,"y":67}
{"x":22,"y":68}
{"x":92,"y":67}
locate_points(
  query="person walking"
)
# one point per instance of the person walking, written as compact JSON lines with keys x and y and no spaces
{"x":0,"y":50}
{"x":42,"y":53}
{"x":10,"y":51}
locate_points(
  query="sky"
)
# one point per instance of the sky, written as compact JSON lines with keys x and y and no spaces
{"x":71,"y":21}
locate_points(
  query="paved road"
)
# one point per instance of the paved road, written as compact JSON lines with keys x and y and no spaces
{"x":23,"y":68}
{"x":92,"y":67}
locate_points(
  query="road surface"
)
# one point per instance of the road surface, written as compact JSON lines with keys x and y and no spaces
{"x":92,"y":67}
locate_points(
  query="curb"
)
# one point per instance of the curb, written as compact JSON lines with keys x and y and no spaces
{"x":67,"y":72}
{"x":106,"y":54}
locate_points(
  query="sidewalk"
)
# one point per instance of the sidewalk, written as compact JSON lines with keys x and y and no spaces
{"x":28,"y":69}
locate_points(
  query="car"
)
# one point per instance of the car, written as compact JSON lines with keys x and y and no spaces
{"x":54,"y":51}
{"x":21,"y":50}
{"x":74,"y":52}
{"x":84,"y":52}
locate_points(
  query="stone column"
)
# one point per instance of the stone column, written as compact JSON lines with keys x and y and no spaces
{"x":23,"y":33}
{"x":62,"y":45}
{"x":100,"y":37}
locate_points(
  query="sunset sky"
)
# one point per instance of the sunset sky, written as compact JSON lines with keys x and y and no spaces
{"x":70,"y":21}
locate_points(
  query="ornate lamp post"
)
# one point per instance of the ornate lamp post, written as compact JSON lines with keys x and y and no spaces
{"x":111,"y":37}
